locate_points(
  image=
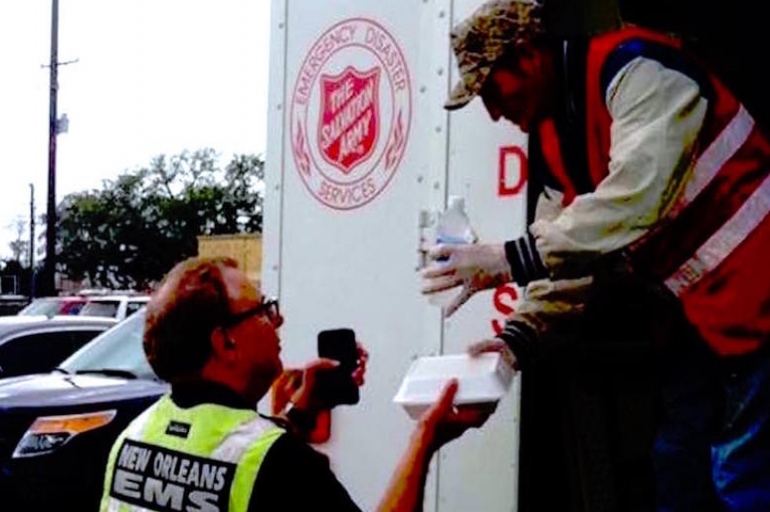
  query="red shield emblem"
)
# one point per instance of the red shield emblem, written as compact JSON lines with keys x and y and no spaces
{"x":349,"y":121}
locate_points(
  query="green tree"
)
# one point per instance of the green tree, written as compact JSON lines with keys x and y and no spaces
{"x":20,"y":246}
{"x":129,"y":233}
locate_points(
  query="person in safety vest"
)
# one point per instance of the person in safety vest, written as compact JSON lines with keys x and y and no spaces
{"x":203,"y":447}
{"x":649,"y":169}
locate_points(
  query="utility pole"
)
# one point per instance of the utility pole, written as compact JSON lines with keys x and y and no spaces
{"x":31,"y":241}
{"x":55,"y":126}
{"x":49,"y":274}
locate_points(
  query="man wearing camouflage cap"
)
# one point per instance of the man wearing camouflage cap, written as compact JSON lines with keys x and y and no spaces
{"x":481,"y":40}
{"x":650,"y":165}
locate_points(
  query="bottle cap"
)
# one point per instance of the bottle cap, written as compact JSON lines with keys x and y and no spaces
{"x":456,"y":202}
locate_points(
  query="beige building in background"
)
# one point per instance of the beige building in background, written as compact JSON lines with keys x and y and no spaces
{"x":244,"y":248}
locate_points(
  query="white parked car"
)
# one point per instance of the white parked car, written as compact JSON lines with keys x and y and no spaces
{"x":114,"y":306}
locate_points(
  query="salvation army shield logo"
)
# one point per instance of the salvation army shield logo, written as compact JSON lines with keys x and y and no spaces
{"x":351,"y":111}
{"x":349,"y":124}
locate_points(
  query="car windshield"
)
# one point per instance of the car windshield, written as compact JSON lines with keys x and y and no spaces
{"x":107,"y":308}
{"x":40,"y":307}
{"x":115,"y":351}
{"x":49,"y":307}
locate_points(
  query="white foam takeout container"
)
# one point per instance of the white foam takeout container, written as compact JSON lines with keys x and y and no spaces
{"x":482,"y":379}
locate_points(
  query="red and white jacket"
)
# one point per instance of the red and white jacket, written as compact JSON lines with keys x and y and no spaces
{"x":678,"y":178}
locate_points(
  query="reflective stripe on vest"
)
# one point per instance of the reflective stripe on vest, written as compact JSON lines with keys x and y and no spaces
{"x":714,"y":158}
{"x":710,"y":246}
{"x":722,"y":243}
{"x":706,"y":167}
{"x":204,"y":458}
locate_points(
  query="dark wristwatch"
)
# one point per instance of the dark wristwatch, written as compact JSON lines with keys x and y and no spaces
{"x":300,"y":419}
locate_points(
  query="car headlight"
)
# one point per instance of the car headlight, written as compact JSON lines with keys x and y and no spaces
{"x":48,"y":433}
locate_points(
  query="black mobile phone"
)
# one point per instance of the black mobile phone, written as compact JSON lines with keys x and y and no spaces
{"x":337,"y":387}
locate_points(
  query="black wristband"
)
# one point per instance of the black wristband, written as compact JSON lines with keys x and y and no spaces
{"x":524,"y":260}
{"x":521,"y":339}
{"x":300,"y":420}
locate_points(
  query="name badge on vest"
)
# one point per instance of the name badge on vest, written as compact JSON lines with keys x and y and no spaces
{"x":178,"y":429}
{"x":166,"y":480}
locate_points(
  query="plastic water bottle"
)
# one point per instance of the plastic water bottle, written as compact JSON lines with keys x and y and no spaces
{"x":453,"y":227}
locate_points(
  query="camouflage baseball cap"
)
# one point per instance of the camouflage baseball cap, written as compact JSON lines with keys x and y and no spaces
{"x":484,"y":37}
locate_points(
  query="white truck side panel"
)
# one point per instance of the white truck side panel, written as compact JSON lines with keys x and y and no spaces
{"x":275,"y":155}
{"x":356,"y":268}
{"x":334,"y":262}
{"x":480,"y":472}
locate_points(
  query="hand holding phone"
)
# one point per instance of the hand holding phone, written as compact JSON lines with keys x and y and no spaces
{"x":337,"y":386}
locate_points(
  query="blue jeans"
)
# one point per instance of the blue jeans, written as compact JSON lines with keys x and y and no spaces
{"x":712,"y":450}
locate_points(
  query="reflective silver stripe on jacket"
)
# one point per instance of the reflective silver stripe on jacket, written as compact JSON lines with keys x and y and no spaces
{"x":722,"y":149}
{"x":724,"y":241}
{"x":234,"y":445}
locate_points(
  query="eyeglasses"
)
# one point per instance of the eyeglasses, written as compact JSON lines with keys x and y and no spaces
{"x":268,"y":307}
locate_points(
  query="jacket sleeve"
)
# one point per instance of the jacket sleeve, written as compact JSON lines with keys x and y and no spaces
{"x":657,"y":114}
{"x":547,"y":309}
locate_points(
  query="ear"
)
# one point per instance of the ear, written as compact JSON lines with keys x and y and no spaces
{"x":222,"y":345}
{"x":528,"y":56}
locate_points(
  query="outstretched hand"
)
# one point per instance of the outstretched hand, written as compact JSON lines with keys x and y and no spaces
{"x":444,"y":421}
{"x":495,"y":345}
{"x":474,"y":267}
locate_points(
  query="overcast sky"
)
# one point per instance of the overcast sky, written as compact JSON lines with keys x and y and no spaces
{"x":152,"y":77}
